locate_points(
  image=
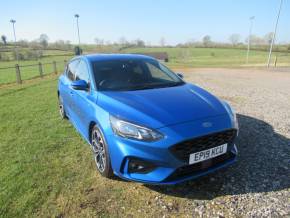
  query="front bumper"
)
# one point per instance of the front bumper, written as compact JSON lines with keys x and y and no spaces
{"x":168,"y":169}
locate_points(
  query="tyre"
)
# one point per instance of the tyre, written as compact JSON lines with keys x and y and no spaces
{"x":101,"y":153}
{"x":61,"y":108}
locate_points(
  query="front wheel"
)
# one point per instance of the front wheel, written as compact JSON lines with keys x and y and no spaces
{"x":61,"y":108}
{"x":101,"y":154}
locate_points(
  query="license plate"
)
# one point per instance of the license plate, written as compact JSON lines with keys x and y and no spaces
{"x":207,"y":154}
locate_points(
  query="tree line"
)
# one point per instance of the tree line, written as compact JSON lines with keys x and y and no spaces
{"x":42,"y":42}
{"x":30,"y":50}
{"x":34,"y":49}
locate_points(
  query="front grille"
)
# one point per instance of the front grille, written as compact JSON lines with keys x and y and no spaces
{"x":184,"y":149}
{"x":188,"y":170}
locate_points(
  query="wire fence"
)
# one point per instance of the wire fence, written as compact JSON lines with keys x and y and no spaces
{"x":18,"y":73}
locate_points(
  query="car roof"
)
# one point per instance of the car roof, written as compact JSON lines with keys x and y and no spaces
{"x":108,"y":57}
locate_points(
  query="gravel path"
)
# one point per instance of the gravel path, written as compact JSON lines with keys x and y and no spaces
{"x":258,"y":185}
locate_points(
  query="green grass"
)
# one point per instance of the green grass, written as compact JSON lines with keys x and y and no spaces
{"x":214,"y":57}
{"x":47,"y":169}
{"x":44,"y":163}
{"x":9,"y":75}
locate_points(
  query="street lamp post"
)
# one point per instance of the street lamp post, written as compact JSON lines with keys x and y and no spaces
{"x":77,"y":17}
{"x":249,"y":38}
{"x":15,"y":46}
{"x":274,"y":36}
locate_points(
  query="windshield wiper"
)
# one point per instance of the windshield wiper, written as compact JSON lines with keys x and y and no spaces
{"x":171,"y":84}
{"x":141,"y":87}
{"x":148,"y":86}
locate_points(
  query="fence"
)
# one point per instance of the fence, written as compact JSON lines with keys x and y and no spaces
{"x":18,"y":73}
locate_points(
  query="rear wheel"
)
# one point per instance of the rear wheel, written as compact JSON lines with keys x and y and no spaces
{"x":101,"y":154}
{"x":61,"y":108}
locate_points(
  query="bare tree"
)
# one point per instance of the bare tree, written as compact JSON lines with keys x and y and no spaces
{"x":140,"y":43}
{"x":108,"y":42}
{"x":23,"y":43}
{"x":269,"y":37}
{"x":255,"y":40}
{"x":162,"y":42}
{"x":123,"y":41}
{"x":235,"y":39}
{"x":206,"y":40}
{"x":190,"y":42}
{"x":99,"y":42}
{"x":4,"y":39}
{"x":61,"y":44}
{"x":43,"y":40}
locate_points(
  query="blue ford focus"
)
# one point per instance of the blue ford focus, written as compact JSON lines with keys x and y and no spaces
{"x":143,"y":122}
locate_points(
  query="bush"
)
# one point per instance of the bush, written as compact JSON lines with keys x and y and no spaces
{"x":24,"y":54}
{"x":4,"y":57}
{"x":33,"y":54}
{"x":18,"y":54}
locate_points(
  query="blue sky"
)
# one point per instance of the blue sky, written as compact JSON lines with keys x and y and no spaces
{"x":175,"y":20}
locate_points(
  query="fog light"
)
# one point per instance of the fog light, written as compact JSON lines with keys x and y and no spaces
{"x":140,"y":166}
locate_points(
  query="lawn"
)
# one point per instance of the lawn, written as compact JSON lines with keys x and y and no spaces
{"x":45,"y":165}
{"x":28,"y":72}
{"x":215,"y":57}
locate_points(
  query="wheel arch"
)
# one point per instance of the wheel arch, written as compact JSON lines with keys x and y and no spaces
{"x":91,"y":125}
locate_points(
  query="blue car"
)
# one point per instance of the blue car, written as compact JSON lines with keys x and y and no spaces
{"x":143,"y":122}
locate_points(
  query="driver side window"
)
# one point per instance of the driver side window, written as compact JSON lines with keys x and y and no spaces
{"x":82,"y":72}
{"x":71,"y":69}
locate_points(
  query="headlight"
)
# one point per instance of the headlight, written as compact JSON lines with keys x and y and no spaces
{"x":232,"y":113}
{"x":129,"y":130}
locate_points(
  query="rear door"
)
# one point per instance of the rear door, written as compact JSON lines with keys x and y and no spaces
{"x":67,"y":93}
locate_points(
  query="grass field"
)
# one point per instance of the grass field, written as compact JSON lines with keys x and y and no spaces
{"x":178,"y":57}
{"x":215,"y":57}
{"x":28,"y":72}
{"x":40,"y":155}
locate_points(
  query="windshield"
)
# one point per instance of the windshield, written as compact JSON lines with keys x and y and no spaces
{"x":126,"y":75}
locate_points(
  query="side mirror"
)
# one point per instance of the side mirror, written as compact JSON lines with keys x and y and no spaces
{"x":180,"y":75}
{"x":80,"y":85}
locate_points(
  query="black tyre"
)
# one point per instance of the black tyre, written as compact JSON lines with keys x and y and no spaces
{"x":61,"y":108}
{"x":101,"y":154}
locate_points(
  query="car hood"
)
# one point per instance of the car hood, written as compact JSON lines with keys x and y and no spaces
{"x":161,"y":107}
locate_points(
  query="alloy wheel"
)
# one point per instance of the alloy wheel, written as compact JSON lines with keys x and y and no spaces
{"x":99,"y":150}
{"x":61,"y":108}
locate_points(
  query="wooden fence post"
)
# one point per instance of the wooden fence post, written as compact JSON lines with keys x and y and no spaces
{"x":276,"y":61}
{"x":40,"y":69}
{"x":18,"y":75}
{"x":54,"y":67}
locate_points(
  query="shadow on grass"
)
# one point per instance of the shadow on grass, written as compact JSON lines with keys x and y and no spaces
{"x":263,"y":166}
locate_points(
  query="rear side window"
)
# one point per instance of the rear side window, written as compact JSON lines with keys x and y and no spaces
{"x":71,"y":69}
